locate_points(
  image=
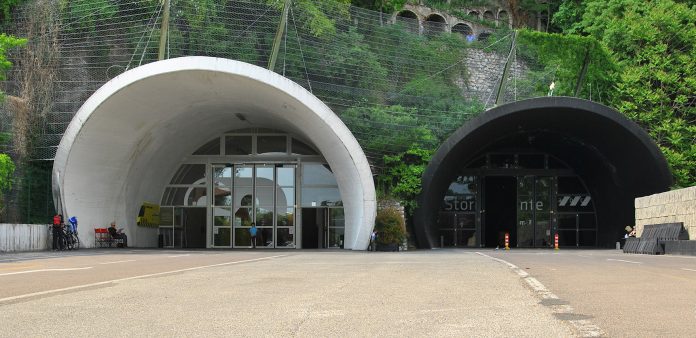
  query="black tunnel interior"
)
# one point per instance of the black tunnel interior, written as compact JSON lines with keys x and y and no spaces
{"x":616,"y":159}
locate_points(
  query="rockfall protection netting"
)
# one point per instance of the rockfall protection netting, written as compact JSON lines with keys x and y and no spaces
{"x":396,"y":77}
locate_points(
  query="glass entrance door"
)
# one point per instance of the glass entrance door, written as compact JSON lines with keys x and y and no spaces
{"x":260,"y":193}
{"x":534,"y":208}
{"x":222,"y":206}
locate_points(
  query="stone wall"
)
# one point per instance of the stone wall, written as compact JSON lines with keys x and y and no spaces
{"x":668,"y":207}
{"x":485,"y":70}
{"x":23,"y":237}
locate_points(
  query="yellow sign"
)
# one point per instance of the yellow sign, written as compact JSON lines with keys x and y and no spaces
{"x":149,"y":215}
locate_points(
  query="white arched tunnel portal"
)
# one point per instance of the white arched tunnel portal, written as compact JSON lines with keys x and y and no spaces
{"x":125,"y":142}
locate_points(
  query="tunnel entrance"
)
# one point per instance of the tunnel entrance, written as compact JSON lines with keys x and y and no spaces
{"x":577,"y":167}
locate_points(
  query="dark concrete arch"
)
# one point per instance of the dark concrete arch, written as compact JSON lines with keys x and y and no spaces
{"x":407,"y":14}
{"x":409,"y":19}
{"x":462,"y":29}
{"x":614,"y":156}
{"x":503,"y":18}
{"x":436,"y":18}
{"x":435,"y":24}
{"x":488,"y":15}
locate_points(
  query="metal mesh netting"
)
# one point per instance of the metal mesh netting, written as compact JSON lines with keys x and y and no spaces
{"x":402,"y":79}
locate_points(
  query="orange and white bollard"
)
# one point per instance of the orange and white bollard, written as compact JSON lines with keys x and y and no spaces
{"x":555,"y":241}
{"x":507,"y":241}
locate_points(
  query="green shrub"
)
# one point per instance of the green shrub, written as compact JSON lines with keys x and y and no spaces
{"x":390,"y":227}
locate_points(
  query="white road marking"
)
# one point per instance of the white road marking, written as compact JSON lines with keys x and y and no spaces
{"x":42,"y":270}
{"x":77,"y":287}
{"x":586,"y":256}
{"x":128,"y":260}
{"x":585,"y":327}
{"x":688,"y":269}
{"x":175,"y":256}
{"x":621,"y":260}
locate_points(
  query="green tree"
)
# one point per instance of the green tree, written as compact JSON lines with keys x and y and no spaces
{"x":653,"y":42}
{"x":6,"y":173}
{"x":318,"y":17}
{"x":403,"y":175}
{"x":7,"y":42}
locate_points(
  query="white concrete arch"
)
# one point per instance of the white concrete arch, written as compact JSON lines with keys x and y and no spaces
{"x":125,"y":142}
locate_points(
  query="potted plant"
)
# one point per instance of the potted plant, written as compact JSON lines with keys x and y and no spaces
{"x":391,"y":230}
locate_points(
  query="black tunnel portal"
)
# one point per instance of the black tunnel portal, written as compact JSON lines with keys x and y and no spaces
{"x":535,"y":169}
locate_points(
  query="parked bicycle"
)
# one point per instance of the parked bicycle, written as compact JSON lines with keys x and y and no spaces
{"x":72,"y":240}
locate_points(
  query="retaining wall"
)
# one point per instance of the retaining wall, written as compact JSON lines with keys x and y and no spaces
{"x":668,"y":207}
{"x":23,"y":237}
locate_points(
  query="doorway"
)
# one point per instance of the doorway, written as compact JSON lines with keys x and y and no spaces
{"x":500,"y":210}
{"x":314,"y":224}
{"x":194,"y":227}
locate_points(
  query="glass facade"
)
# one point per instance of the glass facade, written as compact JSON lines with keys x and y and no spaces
{"x":232,"y":178}
{"x":530,"y":196}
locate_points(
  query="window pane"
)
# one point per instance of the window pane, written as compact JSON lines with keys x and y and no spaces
{"x":243,"y":197}
{"x":221,"y":217}
{"x":285,"y":197}
{"x":317,"y":174}
{"x":210,"y":148}
{"x":242,"y":217}
{"x":166,"y":216}
{"x":196,"y":197}
{"x":264,"y":196}
{"x":189,"y":174}
{"x":264,"y":237}
{"x":264,"y":217}
{"x":243,"y":176}
{"x":264,"y":176}
{"x":242,"y":237}
{"x":285,"y":217}
{"x":268,"y":145}
{"x":237,"y":145}
{"x":566,"y":221}
{"x":222,"y":236}
{"x":336,"y":237}
{"x":286,"y":176}
{"x":300,"y":148}
{"x":337,"y":217}
{"x":285,"y":237}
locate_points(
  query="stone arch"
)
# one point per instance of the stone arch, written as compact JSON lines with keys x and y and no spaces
{"x":474,"y":14}
{"x":463,"y":29}
{"x":409,"y":19}
{"x":488,"y":15}
{"x":503,"y":18}
{"x":435,"y":24}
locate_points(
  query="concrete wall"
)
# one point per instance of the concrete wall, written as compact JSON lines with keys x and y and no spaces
{"x":668,"y":207}
{"x":23,"y":237}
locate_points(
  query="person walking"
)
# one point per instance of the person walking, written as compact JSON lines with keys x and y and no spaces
{"x":252,"y":232}
{"x":373,"y":241}
{"x":57,"y":232}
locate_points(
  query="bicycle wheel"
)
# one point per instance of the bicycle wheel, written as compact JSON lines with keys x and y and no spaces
{"x":63,"y":243}
{"x":76,"y":242}
{"x":68,"y":241}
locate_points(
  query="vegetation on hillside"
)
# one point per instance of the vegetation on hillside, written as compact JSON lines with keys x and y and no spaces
{"x":653,"y":43}
{"x":388,"y":84}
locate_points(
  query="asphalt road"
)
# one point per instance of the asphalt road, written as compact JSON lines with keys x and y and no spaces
{"x":520,"y":293}
{"x":270,"y":293}
{"x":625,"y":295}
